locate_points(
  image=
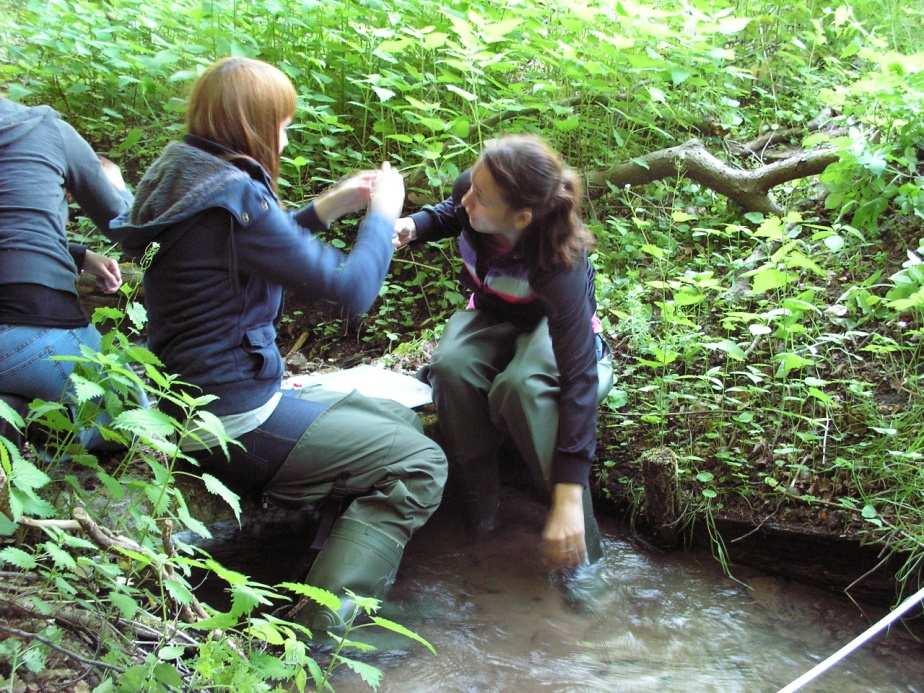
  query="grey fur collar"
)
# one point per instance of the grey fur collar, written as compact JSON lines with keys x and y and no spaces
{"x":183,"y":181}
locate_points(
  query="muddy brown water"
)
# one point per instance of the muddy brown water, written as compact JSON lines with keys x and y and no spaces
{"x":662,"y":622}
{"x":657,"y":621}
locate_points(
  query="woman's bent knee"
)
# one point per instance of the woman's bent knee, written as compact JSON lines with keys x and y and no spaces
{"x":424,"y":470}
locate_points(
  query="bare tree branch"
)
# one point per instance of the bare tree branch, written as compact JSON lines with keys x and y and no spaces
{"x":750,"y":189}
{"x":25,"y":635}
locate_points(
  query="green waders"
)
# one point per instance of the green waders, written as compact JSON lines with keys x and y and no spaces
{"x":490,"y":380}
{"x":373,"y":450}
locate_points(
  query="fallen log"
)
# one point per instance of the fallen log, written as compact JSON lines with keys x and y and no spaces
{"x":749,"y":188}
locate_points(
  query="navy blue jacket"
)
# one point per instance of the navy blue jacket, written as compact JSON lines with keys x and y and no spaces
{"x":226,"y":250}
{"x":512,"y":288}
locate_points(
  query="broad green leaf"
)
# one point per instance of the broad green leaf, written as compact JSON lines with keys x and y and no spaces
{"x":232,"y":577}
{"x":18,"y":558}
{"x":788,"y":362}
{"x":772,"y":228}
{"x":733,"y":25}
{"x":168,"y":675}
{"x":326,"y":599}
{"x":168,"y":652}
{"x":768,"y":279}
{"x":215,"y":486}
{"x":137,"y":314}
{"x":245,"y":598}
{"x":104,"y":313}
{"x":62,"y":558}
{"x":497,"y":31}
{"x":192,"y":523}
{"x":265,"y":631}
{"x":401,"y":630}
{"x":729,"y":347}
{"x":436,"y":39}
{"x":7,"y":526}
{"x":10,"y":415}
{"x":821,"y":396}
{"x":178,"y":590}
{"x":383,"y":93}
{"x":367,"y":672}
{"x":145,"y":423}
{"x":802,"y":261}
{"x":654,"y":251}
{"x":27,"y":476}
{"x":84,"y":389}
{"x":218,"y":620}
{"x":467,"y":95}
{"x":126,"y":605}
{"x":689,"y":296}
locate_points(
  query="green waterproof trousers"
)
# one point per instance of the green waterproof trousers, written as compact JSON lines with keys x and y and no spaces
{"x":374,"y":451}
{"x":491,"y":379}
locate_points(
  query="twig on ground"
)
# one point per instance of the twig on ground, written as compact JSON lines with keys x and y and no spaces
{"x":16,"y":633}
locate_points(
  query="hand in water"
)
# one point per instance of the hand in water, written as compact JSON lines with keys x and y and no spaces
{"x":405,"y":232}
{"x":563,"y":537}
{"x":105,"y":269}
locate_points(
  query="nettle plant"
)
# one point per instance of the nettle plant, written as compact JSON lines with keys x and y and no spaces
{"x":94,"y":554}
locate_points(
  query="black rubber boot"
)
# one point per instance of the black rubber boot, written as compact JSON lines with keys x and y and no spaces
{"x":480,"y":515}
{"x":592,"y":539}
{"x":357,"y":557}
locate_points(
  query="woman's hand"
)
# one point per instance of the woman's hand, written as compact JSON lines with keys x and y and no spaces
{"x":348,"y":196}
{"x":563,"y":538}
{"x":405,"y":232}
{"x":112,"y":172}
{"x":105,"y":269}
{"x":388,"y":194}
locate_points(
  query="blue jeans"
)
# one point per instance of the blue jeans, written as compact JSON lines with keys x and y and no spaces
{"x":27,"y":370}
{"x":25,"y":367}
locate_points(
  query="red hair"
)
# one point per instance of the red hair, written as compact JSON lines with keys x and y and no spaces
{"x":241,"y":103}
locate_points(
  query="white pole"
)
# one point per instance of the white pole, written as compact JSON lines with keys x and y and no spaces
{"x":823,"y":666}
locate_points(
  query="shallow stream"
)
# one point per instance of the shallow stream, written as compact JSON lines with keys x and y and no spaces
{"x":662,"y":622}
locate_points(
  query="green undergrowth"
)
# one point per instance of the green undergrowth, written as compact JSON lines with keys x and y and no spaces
{"x":778,"y":356}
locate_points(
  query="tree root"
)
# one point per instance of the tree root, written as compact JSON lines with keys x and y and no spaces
{"x":692,"y":160}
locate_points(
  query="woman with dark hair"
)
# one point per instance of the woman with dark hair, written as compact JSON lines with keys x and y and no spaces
{"x":42,"y":160}
{"x":213,"y":291}
{"x":525,"y":360}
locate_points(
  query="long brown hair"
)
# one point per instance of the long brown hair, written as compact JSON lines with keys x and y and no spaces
{"x":240,"y":103}
{"x":531,"y":176}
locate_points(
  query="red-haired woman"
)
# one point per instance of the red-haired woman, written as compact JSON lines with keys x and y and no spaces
{"x":526,"y":359}
{"x":226,"y":250}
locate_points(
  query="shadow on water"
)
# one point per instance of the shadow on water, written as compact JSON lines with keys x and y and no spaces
{"x":656,"y":622}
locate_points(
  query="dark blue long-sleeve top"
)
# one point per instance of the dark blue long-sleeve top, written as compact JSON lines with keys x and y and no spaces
{"x":508,"y":286}
{"x":42,"y":158}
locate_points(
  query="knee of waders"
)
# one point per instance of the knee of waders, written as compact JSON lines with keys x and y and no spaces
{"x":451,"y":364}
{"x":436,"y":470}
{"x":513,"y":387}
{"x":423,"y":473}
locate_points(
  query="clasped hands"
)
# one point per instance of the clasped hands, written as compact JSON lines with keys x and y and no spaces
{"x":380,"y":191}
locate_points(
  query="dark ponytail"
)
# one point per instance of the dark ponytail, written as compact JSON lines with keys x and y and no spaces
{"x":532,"y":176}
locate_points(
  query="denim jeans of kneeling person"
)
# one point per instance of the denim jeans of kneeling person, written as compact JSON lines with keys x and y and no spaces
{"x":28,"y":371}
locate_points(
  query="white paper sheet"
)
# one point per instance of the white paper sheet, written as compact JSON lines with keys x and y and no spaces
{"x":372,"y":381}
